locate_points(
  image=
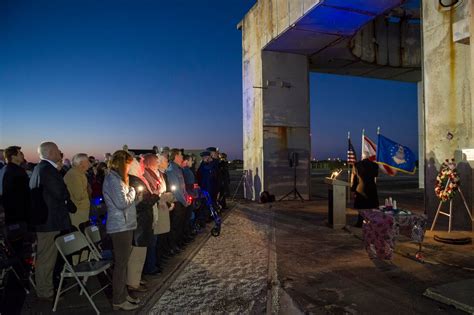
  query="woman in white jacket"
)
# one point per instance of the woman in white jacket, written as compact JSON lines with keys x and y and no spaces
{"x":121,"y":221}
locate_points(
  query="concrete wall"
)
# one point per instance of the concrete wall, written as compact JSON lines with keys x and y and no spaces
{"x":448,"y":108}
{"x":264,"y":140}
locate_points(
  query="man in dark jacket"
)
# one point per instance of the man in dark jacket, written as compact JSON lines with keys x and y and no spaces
{"x":16,"y":197}
{"x":56,"y":198}
{"x":224,"y":180}
{"x":207,"y":175}
{"x":214,"y":163}
{"x":364,"y":186}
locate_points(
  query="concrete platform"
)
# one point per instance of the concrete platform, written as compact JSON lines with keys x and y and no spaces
{"x":458,"y":294}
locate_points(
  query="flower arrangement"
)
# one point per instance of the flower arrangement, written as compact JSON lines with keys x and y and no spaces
{"x":447,"y":181}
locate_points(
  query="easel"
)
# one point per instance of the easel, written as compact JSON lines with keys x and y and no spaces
{"x":450,"y":214}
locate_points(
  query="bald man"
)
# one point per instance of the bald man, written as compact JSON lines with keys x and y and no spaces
{"x":55,"y":200}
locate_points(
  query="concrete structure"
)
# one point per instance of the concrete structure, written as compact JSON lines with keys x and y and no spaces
{"x":448,"y":105}
{"x":285,"y":39}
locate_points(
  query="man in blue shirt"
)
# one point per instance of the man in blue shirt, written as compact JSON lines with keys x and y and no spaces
{"x":181,"y":215}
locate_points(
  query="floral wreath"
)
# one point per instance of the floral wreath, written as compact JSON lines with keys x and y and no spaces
{"x":447,"y":172}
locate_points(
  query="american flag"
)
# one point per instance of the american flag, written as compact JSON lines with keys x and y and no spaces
{"x":351,"y":156}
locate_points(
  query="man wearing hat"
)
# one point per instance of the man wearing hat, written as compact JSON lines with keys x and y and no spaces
{"x":165,"y":151}
{"x":206,"y":177}
{"x":214,"y":155}
{"x":207,"y":174}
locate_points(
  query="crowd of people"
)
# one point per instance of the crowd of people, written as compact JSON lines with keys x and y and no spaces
{"x":151,"y":213}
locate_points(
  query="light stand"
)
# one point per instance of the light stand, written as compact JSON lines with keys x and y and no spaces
{"x":294,"y":191}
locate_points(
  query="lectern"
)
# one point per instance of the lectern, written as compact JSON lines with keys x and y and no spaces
{"x":336,"y":202}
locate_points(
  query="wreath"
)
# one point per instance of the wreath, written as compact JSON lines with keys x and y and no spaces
{"x":447,"y":173}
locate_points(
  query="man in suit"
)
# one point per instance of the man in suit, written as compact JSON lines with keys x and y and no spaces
{"x":56,"y":198}
{"x":16,"y":197}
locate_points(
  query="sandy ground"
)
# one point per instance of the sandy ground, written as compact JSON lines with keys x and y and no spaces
{"x":228,"y":275}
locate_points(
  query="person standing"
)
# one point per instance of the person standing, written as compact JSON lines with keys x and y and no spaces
{"x":2,"y":159}
{"x":76,"y":182}
{"x":364,"y":186}
{"x":122,"y":220}
{"x":188,"y":173}
{"x":16,"y":197}
{"x":162,"y":227}
{"x":157,"y":185}
{"x":177,"y":185}
{"x":207,"y":174}
{"x":143,"y":234}
{"x":224,"y":180}
{"x":55,"y":201}
{"x":214,"y":164}
{"x":2,"y":171}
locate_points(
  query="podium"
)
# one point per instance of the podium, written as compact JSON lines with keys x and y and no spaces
{"x":336,"y":202}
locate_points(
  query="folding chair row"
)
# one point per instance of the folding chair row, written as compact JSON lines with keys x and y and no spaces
{"x":75,"y":242}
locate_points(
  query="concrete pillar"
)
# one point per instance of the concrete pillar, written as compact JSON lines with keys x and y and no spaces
{"x":448,"y":108}
{"x":421,"y":136}
{"x":286,"y":122}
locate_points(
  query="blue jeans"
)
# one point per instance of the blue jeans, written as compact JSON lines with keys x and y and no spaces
{"x":150,"y":261}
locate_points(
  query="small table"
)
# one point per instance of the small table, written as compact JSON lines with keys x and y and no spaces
{"x":381,"y":228}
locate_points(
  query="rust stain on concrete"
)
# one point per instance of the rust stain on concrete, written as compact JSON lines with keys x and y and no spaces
{"x":282,"y":132}
{"x":453,"y":102}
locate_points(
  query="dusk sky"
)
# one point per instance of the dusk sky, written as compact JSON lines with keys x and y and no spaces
{"x":93,"y":75}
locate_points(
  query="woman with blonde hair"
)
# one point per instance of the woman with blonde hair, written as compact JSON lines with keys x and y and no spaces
{"x":121,"y":221}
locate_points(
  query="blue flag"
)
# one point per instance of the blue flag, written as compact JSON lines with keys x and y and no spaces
{"x":395,"y":155}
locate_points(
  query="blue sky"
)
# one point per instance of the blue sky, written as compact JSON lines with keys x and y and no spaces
{"x":93,"y":75}
{"x":341,"y":104}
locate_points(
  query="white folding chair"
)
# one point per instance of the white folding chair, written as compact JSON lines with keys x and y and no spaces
{"x":67,"y":245}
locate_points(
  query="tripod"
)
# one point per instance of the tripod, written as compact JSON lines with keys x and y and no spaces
{"x":243,"y":179}
{"x":294,"y":191}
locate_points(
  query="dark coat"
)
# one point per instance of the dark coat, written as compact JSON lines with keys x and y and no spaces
{"x":143,"y":234}
{"x":224,"y":177}
{"x":207,"y":176}
{"x":364,"y":185}
{"x":16,"y":194}
{"x":55,"y":196}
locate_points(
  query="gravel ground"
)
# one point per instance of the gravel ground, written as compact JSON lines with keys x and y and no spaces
{"x":228,"y":275}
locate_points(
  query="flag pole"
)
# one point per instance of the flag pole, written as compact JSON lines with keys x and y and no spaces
{"x":348,"y":165}
{"x":362,"y":146}
{"x":348,"y":192}
{"x":378,"y":133}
